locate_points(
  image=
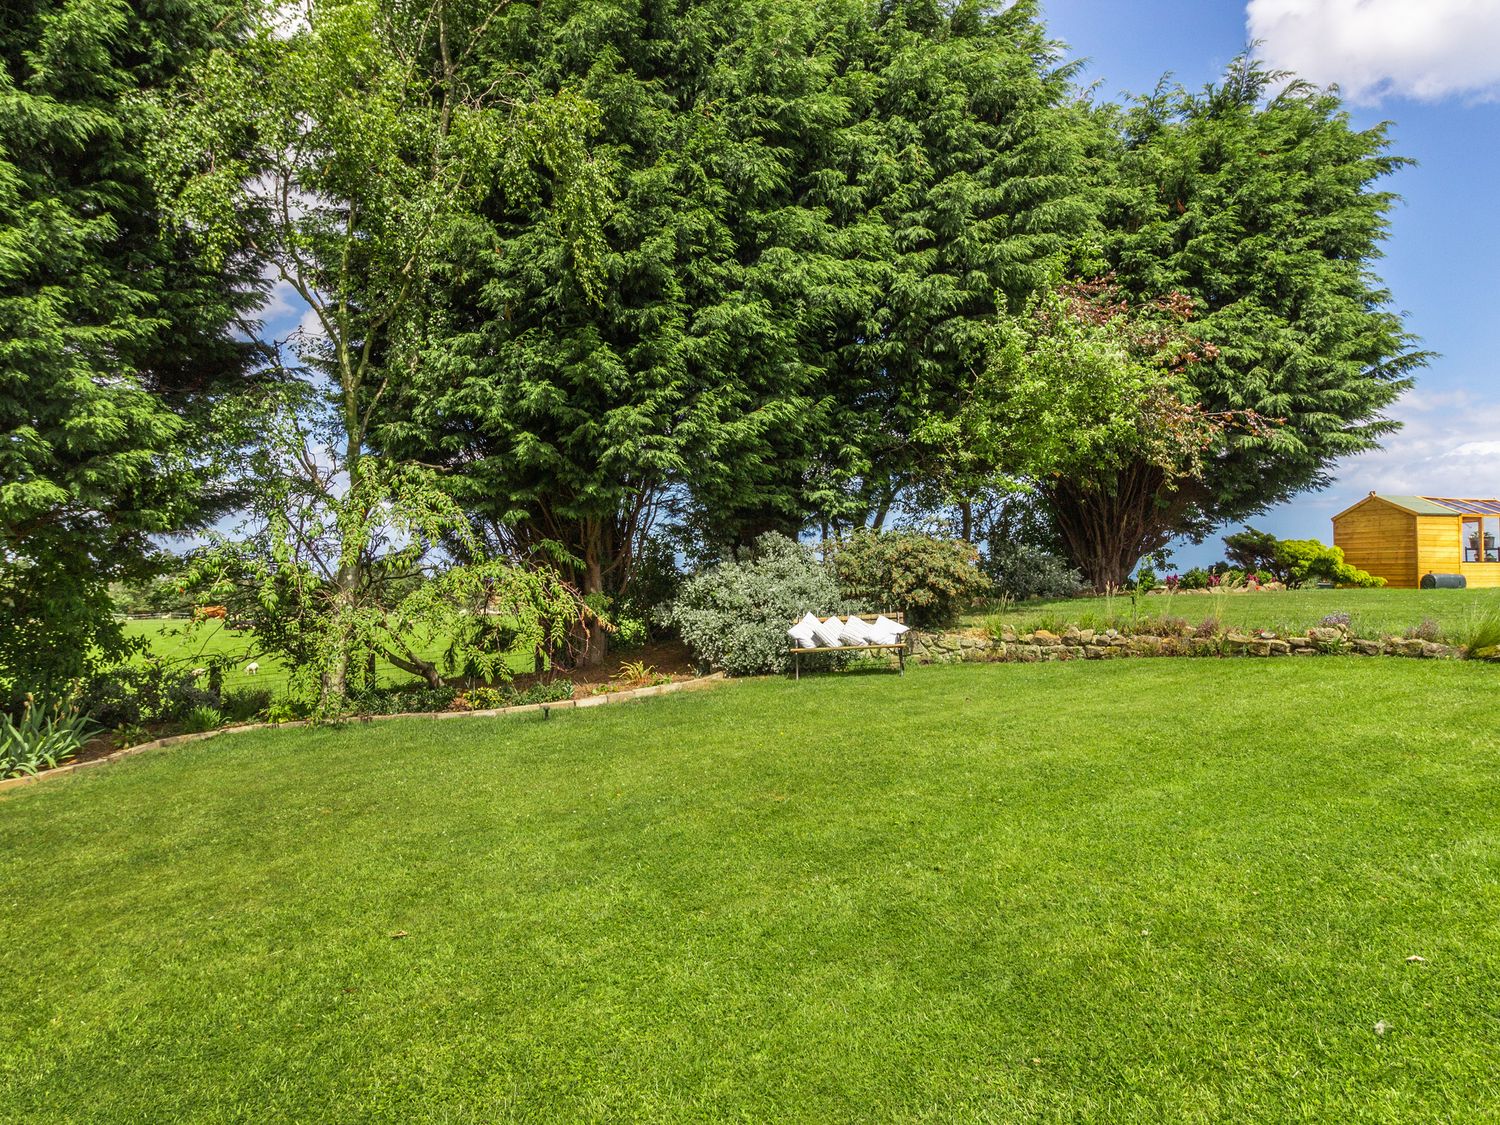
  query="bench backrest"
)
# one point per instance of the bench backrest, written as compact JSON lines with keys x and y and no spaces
{"x":895,"y":615}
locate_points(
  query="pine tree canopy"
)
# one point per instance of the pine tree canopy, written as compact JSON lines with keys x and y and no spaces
{"x":113,"y":334}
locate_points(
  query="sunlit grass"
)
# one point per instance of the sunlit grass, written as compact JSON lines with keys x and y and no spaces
{"x":1371,"y":613}
{"x":1141,"y":891}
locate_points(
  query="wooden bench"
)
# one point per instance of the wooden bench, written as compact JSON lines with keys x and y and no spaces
{"x":900,"y":648}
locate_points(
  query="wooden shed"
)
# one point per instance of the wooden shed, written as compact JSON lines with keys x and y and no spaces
{"x":1401,"y":538}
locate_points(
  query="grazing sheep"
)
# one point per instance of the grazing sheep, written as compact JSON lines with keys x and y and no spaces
{"x":252,"y":668}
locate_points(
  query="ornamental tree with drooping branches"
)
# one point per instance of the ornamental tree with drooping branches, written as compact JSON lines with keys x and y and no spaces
{"x":345,"y":145}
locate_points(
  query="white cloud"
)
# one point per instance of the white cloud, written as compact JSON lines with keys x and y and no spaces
{"x":1448,"y":445}
{"x":1371,"y":48}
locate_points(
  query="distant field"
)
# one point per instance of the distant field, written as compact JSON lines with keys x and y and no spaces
{"x":1371,"y":612}
{"x":190,"y":644}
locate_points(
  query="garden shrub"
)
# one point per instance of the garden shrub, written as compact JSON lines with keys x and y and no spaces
{"x":654,"y":582}
{"x":734,"y":615}
{"x":183,"y":696}
{"x":1293,"y":561}
{"x":1253,"y":551}
{"x":1022,"y":571}
{"x":144,"y":692}
{"x":929,"y":579}
{"x":404,"y":699}
{"x":1428,"y":630}
{"x":493,"y":698}
{"x":39,"y":738}
{"x":245,"y":704}
{"x":630,"y":632}
{"x":1308,"y":560}
{"x":202,"y":718}
{"x":113,"y":698}
{"x":1195,"y":578}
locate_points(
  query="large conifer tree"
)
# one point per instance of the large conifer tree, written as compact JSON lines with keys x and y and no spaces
{"x":1263,"y":206}
{"x":113,"y":336}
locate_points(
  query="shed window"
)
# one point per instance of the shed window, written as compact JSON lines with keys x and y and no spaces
{"x":1481,"y":539}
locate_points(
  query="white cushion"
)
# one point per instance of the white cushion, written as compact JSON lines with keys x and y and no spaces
{"x":884,"y":624}
{"x":827,"y":632}
{"x":802,"y":632}
{"x":856,"y":632}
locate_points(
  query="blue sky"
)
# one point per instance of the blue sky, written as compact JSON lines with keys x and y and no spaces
{"x":1432,"y":67}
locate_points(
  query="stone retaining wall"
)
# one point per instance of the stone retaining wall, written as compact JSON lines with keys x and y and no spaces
{"x":1087,"y":644}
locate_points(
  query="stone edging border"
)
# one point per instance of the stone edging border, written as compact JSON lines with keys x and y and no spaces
{"x":698,"y":684}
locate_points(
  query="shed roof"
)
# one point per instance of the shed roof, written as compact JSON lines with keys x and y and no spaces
{"x":1467,"y":507}
{"x":1434,"y":505}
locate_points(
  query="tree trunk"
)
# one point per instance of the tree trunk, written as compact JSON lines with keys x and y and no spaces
{"x":416,"y":666}
{"x":590,"y":644}
{"x":1108,"y":526}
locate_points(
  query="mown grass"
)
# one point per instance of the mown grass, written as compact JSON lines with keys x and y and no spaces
{"x":1127,"y":892}
{"x":190,"y":644}
{"x":1450,"y":614}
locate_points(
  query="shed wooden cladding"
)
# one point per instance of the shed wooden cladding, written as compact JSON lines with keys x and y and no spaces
{"x":1401,"y":538}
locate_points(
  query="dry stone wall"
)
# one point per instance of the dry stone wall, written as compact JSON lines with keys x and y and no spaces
{"x":973,"y":646}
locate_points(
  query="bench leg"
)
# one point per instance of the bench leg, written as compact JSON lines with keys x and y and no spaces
{"x":901,"y":662}
{"x":797,"y":666}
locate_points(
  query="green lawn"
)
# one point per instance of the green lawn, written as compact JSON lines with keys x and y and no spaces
{"x":1144,"y":891}
{"x":1372,"y":612}
{"x":190,"y":644}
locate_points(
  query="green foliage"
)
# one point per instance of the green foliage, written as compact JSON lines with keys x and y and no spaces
{"x":349,"y":148}
{"x":630,"y":632}
{"x":145,"y":691}
{"x":114,"y":332}
{"x":1194,"y":578}
{"x":1308,"y":560}
{"x":977,"y":181}
{"x":930,"y":579}
{"x":734,"y":615}
{"x":1479,"y":634}
{"x":202,"y":718}
{"x":1021,"y":570}
{"x":807,"y":213}
{"x":329,"y":616}
{"x":1255,"y":551}
{"x":244,"y":705}
{"x":1258,"y":202}
{"x":40,"y":738}
{"x":162,"y":593}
